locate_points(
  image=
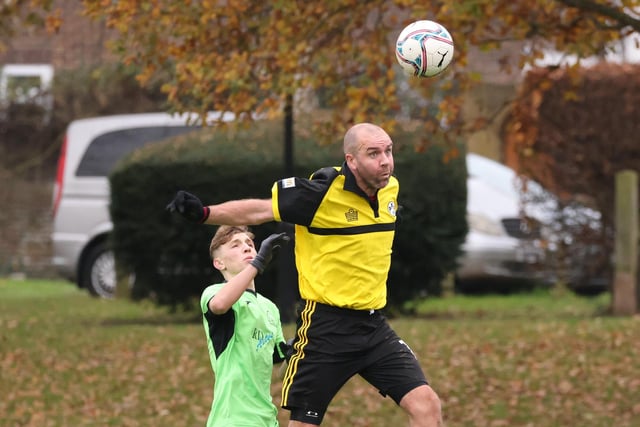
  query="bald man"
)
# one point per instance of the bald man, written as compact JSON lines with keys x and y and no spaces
{"x":344,"y":227}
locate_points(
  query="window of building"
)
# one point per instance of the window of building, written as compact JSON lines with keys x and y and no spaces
{"x":26,"y":83}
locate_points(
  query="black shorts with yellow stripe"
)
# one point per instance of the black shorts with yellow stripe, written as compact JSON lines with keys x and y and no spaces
{"x":333,"y":344}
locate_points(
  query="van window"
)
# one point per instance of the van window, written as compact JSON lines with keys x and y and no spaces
{"x":104,"y":151}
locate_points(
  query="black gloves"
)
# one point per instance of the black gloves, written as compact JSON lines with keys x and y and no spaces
{"x":189,"y":206}
{"x":289,"y":349}
{"x":267,"y":247}
{"x":284,"y":351}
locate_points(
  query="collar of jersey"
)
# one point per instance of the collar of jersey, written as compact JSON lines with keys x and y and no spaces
{"x":350,"y":182}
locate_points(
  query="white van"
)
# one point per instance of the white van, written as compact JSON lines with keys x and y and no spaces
{"x":81,"y":221}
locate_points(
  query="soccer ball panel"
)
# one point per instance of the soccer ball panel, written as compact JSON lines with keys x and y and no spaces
{"x":424,"y":48}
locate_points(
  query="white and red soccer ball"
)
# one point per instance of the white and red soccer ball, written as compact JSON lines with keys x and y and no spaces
{"x":424,"y":48}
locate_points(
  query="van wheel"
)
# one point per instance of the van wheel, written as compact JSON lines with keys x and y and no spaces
{"x":99,"y":272}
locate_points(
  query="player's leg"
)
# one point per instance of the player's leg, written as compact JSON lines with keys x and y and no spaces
{"x":308,"y":390}
{"x":322,"y":362}
{"x":300,"y":424}
{"x":422,"y":404}
{"x":394,"y":370}
{"x":310,"y":383}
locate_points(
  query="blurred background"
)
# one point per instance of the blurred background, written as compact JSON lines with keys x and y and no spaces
{"x":518,"y":168}
{"x":540,"y":104}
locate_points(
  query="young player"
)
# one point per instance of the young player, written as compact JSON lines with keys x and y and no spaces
{"x":243,"y":330}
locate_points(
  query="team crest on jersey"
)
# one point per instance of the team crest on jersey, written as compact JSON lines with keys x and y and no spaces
{"x":270,"y":319}
{"x":351,"y":215}
{"x":288,"y":183}
{"x":391,"y":207}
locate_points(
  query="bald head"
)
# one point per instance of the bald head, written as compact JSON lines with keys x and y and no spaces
{"x":368,"y":153}
{"x":359,"y":133}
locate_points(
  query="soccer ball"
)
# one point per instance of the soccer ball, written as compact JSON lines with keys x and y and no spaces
{"x":424,"y":49}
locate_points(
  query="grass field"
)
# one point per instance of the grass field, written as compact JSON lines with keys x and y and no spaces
{"x":541,"y":359}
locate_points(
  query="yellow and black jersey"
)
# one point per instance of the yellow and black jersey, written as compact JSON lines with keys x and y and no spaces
{"x":343,"y":238}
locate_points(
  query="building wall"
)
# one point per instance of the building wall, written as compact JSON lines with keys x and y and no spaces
{"x":80,"y":42}
{"x":25,"y":220}
{"x":25,"y":227}
{"x":490,"y":99}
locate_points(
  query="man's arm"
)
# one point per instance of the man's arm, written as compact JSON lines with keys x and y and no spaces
{"x":234,"y":212}
{"x":241,"y":212}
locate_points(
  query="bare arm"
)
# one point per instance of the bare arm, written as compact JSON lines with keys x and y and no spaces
{"x":236,"y":285}
{"x":232,"y":290}
{"x":241,"y":212}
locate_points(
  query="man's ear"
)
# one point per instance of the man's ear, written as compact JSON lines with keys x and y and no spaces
{"x":350,"y":160}
{"x":218,"y":264}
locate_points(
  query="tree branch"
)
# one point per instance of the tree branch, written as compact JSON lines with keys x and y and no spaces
{"x":614,"y":13}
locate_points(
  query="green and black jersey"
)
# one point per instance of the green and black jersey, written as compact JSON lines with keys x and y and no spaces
{"x":243,"y":345}
{"x":343,"y":238}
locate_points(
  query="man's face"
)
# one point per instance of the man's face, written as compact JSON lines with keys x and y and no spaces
{"x":236,"y":254}
{"x":372,"y":163}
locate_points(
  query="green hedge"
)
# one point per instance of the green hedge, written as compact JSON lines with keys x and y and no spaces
{"x":170,"y":256}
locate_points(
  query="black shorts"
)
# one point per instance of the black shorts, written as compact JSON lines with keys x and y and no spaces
{"x":333,"y":344}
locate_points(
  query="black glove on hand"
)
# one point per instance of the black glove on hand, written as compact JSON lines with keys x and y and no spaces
{"x":290,"y":349}
{"x":286,"y":348}
{"x":189,"y":206}
{"x":263,"y":258}
{"x":284,"y":352}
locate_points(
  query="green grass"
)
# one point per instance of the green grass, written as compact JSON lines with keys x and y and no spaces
{"x":532,"y":305}
{"x":540,"y":359}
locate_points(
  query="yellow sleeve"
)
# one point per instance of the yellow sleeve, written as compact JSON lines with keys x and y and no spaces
{"x":274,"y":202}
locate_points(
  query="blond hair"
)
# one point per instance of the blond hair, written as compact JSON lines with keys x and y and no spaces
{"x":224,"y":233}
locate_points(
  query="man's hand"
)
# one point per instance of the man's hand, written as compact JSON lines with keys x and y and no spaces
{"x":286,"y":348}
{"x":265,"y":254}
{"x":189,"y":206}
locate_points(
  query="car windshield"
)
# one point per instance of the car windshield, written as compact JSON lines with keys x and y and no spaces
{"x":492,"y":173}
{"x":534,"y":199}
{"x":506,"y":181}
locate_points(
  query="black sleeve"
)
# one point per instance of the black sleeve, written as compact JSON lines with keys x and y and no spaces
{"x":220,"y":329}
{"x":299,"y":198}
